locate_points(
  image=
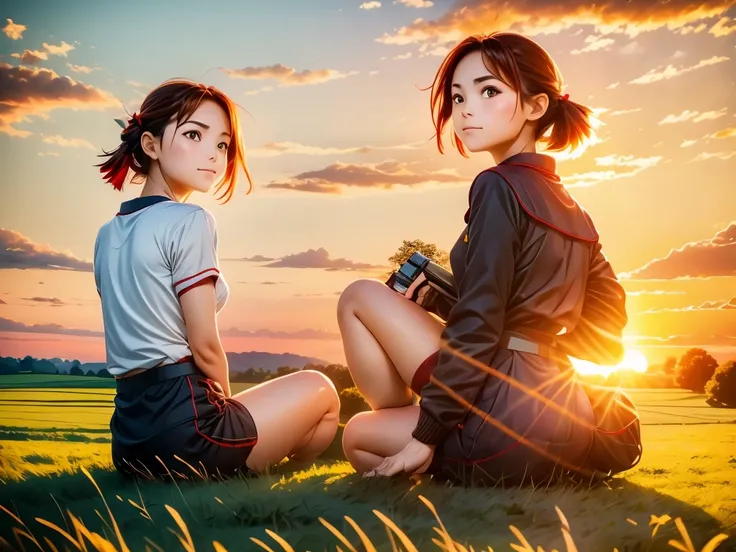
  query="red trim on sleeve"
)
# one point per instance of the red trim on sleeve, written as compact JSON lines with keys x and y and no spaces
{"x":195,"y":275}
{"x":196,"y":284}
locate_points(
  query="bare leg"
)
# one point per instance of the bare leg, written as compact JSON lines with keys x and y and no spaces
{"x":370,"y":437}
{"x":386,"y":337}
{"x":296,"y":416}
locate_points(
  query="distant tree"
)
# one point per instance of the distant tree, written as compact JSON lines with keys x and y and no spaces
{"x":91,"y":373}
{"x":9,"y":365}
{"x":338,"y":374}
{"x":103,"y":373}
{"x":26,"y":365}
{"x":43,"y":366}
{"x":669,"y":365}
{"x":694,"y":370}
{"x":76,"y":371}
{"x":721,"y":389}
{"x":351,"y":403}
{"x":429,"y":250}
{"x":281,"y":371}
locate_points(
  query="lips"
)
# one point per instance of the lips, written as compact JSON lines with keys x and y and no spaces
{"x":207,"y":170}
{"x":471,"y":128}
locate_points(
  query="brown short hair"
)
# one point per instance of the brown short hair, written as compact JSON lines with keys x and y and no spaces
{"x":175,"y":99}
{"x":528,"y":69}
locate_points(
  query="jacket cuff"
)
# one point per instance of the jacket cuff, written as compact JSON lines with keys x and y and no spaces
{"x":428,"y":431}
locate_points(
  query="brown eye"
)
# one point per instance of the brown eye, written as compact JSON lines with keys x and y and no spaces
{"x":490,"y":91}
{"x":192,"y":134}
{"x":457,"y":98}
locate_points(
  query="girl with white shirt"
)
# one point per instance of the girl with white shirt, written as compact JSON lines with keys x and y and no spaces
{"x":161,"y":287}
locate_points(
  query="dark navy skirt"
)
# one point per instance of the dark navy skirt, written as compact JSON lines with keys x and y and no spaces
{"x":173,"y":421}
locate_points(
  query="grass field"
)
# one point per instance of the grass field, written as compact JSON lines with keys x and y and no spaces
{"x":55,"y":469}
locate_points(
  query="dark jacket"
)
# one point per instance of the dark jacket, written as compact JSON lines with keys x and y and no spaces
{"x":528,"y":262}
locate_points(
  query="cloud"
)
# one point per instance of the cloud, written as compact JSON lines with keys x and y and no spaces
{"x":17,"y":251}
{"x":688,"y":143}
{"x":634,"y":164}
{"x":707,"y":305}
{"x":254,"y":259}
{"x":684,"y":340}
{"x":370,"y":5}
{"x":415,"y":3}
{"x":33,"y":57}
{"x":288,"y":76}
{"x":725,"y":133}
{"x":632,"y":48}
{"x":7,"y":325}
{"x":48,"y":154}
{"x":275,"y":334}
{"x":722,"y":155}
{"x":81,"y":68}
{"x":594,"y":43}
{"x":694,"y":116}
{"x":52,"y":300}
{"x":670,"y":72}
{"x":654,"y":292}
{"x":68,"y":142}
{"x":334,"y":178}
{"x":624,"y":111}
{"x":714,"y":256}
{"x":318,"y":258}
{"x":532,"y":17}
{"x":14,"y":31}
{"x":722,"y":27}
{"x":265,"y":283}
{"x":26,"y":92}
{"x":274,"y":149}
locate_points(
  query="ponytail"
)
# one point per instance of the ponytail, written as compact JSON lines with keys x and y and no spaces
{"x":570,"y":123}
{"x":128,"y":155}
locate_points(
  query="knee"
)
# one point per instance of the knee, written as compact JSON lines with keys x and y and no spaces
{"x":354,"y":431}
{"x":354,"y":293}
{"x":322,"y":387}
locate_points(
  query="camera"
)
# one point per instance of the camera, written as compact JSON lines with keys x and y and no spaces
{"x":440,"y":280}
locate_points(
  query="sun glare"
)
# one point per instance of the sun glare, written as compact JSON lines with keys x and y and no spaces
{"x":633,"y":361}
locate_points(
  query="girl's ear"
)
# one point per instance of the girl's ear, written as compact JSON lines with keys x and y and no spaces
{"x":537,"y":106}
{"x":150,"y":145}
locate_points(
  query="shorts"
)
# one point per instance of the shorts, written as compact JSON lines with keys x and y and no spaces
{"x":174,"y":421}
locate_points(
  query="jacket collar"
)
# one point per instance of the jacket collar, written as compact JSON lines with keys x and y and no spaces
{"x":536,"y":160}
{"x":138,"y":203}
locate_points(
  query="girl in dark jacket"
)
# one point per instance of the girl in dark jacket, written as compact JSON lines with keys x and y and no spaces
{"x":497,"y":398}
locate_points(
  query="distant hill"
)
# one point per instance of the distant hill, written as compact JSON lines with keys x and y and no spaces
{"x":239,"y":362}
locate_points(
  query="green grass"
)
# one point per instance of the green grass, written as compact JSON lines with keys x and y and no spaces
{"x":688,"y":473}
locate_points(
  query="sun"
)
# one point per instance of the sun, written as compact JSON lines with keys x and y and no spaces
{"x":633,"y":361}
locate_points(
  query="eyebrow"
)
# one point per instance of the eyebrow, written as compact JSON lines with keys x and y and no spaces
{"x":478,"y":80}
{"x":204,"y":126}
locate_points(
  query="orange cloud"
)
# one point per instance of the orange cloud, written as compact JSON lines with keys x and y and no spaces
{"x":669,"y":72}
{"x":14,"y":31}
{"x":630,"y":166}
{"x":68,"y":142}
{"x":275,"y":334}
{"x":26,"y":92}
{"x":32,"y":57}
{"x":694,"y":116}
{"x":7,"y":325}
{"x":17,"y":251}
{"x":714,"y":256}
{"x":370,"y":5}
{"x":274,"y":149}
{"x":288,"y":76}
{"x":312,"y":258}
{"x":533,"y":17}
{"x":334,"y":178}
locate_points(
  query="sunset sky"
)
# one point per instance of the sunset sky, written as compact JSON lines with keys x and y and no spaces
{"x":339,"y":137}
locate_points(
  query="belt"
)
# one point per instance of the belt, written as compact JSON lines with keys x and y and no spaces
{"x":152,"y":376}
{"x":517,"y":343}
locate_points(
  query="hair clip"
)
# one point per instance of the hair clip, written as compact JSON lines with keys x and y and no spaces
{"x":564,"y":98}
{"x":125,"y":125}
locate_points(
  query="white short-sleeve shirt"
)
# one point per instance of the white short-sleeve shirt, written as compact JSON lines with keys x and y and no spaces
{"x":153,"y":251}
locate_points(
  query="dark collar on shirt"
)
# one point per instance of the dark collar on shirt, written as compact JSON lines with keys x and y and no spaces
{"x":538,"y":160}
{"x":138,"y":203}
